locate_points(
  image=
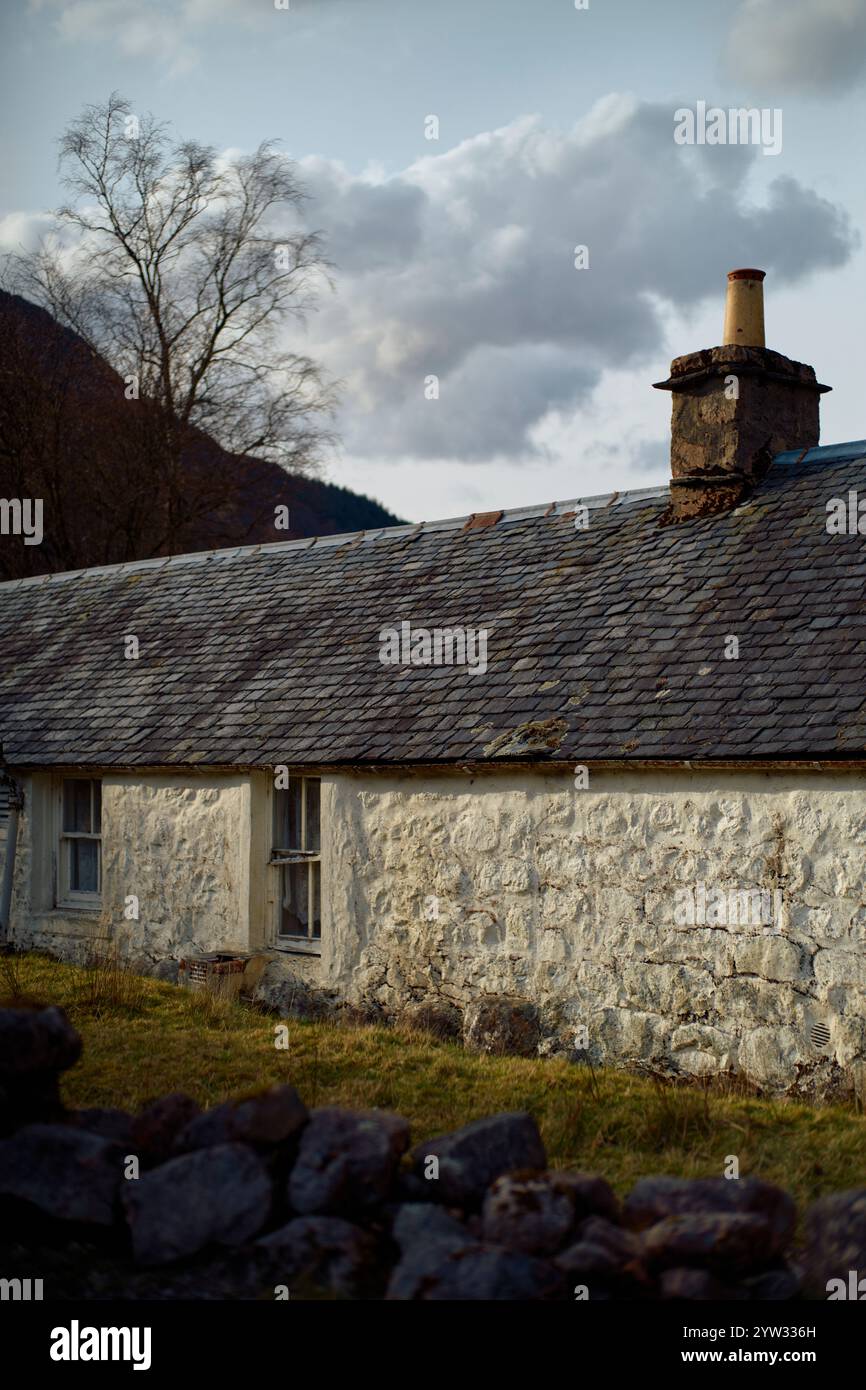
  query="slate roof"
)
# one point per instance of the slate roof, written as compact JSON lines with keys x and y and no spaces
{"x":603,"y":643}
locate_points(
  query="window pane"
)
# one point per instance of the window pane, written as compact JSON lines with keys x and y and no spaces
{"x":97,"y":806}
{"x":76,"y":804}
{"x":287,"y":815}
{"x":315,"y":871}
{"x":293,"y":827}
{"x":313,"y":838}
{"x":279,"y":818}
{"x":83,"y":866}
{"x":293,"y":916}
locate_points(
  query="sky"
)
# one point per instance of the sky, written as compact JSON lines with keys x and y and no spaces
{"x":454,"y":257}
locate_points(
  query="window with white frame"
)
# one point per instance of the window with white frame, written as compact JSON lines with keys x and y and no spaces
{"x":297,"y":853}
{"x":79,"y":849}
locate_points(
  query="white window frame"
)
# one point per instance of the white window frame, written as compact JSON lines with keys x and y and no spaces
{"x":308,"y":944}
{"x":64,"y":895}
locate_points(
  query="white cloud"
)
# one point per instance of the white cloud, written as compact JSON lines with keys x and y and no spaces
{"x":462,"y":266}
{"x":166,"y":31}
{"x":806,"y":45}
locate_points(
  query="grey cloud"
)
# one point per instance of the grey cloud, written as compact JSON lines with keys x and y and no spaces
{"x":806,"y":45}
{"x":463,"y":267}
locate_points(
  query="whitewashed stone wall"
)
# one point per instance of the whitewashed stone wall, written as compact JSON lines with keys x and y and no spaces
{"x":177,"y":842}
{"x":451,"y":886}
{"x":567,"y":898}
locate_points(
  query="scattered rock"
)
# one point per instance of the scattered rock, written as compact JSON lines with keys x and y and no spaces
{"x":217,"y":1196}
{"x":324,"y":1250}
{"x":536,"y":1213}
{"x":433,"y":1016}
{"x":528,"y":1212}
{"x":292,"y":997}
{"x":157,"y":1128}
{"x":693,"y":1285}
{"x":36,"y":1044}
{"x":772,"y":1286}
{"x":109,"y":1124}
{"x":36,"y":1039}
{"x":469,"y":1159}
{"x":502,"y":1027}
{"x":346,"y":1160}
{"x":347,"y":1015}
{"x":168,"y":970}
{"x":472,"y":1272}
{"x":269,"y":1117}
{"x":606,"y":1259}
{"x":420,"y":1224}
{"x":66,"y":1172}
{"x":835,"y":1228}
{"x":724,"y":1242}
{"x":653,"y":1199}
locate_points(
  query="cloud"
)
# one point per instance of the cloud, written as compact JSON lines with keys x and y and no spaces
{"x":166,"y":31}
{"x":462,"y":267}
{"x":805,"y":45}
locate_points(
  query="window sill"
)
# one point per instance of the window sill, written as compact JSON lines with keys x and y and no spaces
{"x":76,"y":909}
{"x":297,"y":948}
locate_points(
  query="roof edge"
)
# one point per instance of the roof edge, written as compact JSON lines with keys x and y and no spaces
{"x":824,"y":453}
{"x":344,"y":538}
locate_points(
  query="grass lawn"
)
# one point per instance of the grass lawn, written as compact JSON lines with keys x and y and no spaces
{"x":143,"y":1038}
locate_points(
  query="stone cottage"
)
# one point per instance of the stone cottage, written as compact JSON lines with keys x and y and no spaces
{"x":604,"y":757}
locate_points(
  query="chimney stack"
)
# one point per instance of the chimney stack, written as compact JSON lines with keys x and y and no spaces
{"x":735,"y":407}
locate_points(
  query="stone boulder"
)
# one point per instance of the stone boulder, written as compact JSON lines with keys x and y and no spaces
{"x":536,"y":1213}
{"x":472,"y":1272}
{"x":693,"y":1286}
{"x":66,"y":1172}
{"x":435,"y":1017}
{"x":157,"y":1128}
{"x":291,"y":997}
{"x":772,"y":1285}
{"x":471,"y":1158}
{"x":605,"y":1259}
{"x":36,"y":1044}
{"x":835,"y":1243}
{"x":35,"y":1039}
{"x":271,"y":1116}
{"x":725,"y":1243}
{"x":500,"y":1026}
{"x":324,"y":1251}
{"x":216,"y":1196}
{"x":652,"y":1200}
{"x":347,"y":1161}
{"x":108,"y":1123}
{"x":420,"y":1224}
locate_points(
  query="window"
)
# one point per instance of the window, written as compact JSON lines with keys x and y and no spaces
{"x":79,"y":877}
{"x":297,"y":853}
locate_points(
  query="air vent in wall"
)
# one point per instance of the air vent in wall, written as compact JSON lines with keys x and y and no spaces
{"x":820,"y":1036}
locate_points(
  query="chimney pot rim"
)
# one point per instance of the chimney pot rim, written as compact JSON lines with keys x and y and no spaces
{"x":747,"y":274}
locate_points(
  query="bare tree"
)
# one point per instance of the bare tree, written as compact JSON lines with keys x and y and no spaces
{"x":184,"y":272}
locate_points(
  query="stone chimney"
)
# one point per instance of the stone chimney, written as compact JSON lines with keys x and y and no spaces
{"x":735,"y":407}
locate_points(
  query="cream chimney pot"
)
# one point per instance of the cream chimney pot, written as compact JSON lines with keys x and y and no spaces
{"x":744,"y":309}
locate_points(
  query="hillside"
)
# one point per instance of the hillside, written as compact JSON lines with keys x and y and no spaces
{"x":69,"y":436}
